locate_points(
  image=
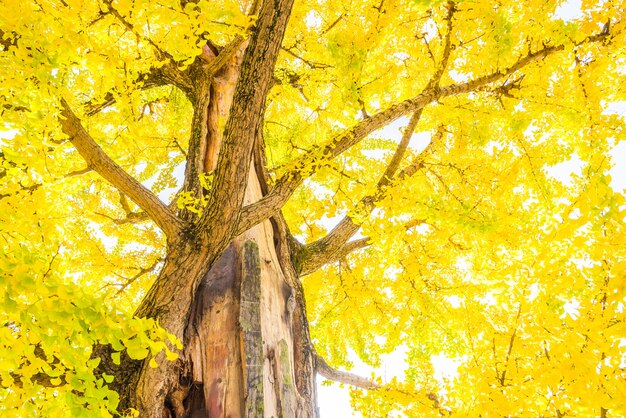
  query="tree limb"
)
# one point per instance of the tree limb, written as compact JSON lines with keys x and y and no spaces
{"x":365,"y":242}
{"x":131,"y":28}
{"x":342,"y":377}
{"x":80,"y":172}
{"x":314,"y":255}
{"x":329,"y":248}
{"x":245,"y":120}
{"x":196,"y":151}
{"x":156,"y":77}
{"x":447,"y":49}
{"x":136,"y":217}
{"x":308,"y":164}
{"x":351,"y":246}
{"x":141,"y":272}
{"x":326,"y":249}
{"x":100,"y":162}
{"x":207,"y":69}
{"x":358,"y":244}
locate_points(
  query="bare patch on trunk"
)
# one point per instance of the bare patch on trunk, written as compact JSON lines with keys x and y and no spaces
{"x":212,"y":336}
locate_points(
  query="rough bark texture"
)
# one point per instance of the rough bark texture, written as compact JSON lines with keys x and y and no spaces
{"x":239,"y":341}
{"x":232,"y":298}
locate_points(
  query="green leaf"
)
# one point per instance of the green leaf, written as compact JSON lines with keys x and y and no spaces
{"x":115,"y":357}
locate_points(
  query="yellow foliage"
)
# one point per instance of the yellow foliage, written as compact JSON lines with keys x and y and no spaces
{"x":496,"y":252}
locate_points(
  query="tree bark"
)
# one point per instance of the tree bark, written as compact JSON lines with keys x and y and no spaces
{"x":240,"y":337}
{"x":234,"y":301}
{"x":241,"y":316}
{"x":247,"y":350}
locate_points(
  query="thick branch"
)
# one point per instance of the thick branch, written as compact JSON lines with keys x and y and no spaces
{"x":365,"y":242}
{"x":216,"y":75}
{"x":343,"y":377}
{"x":310,"y":162}
{"x":245,"y":120}
{"x":198,"y":140}
{"x":314,"y":255}
{"x":360,"y":243}
{"x":100,"y":162}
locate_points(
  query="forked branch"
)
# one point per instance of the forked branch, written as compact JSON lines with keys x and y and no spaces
{"x":225,"y":54}
{"x":324,"y":250}
{"x":308,"y":164}
{"x":330,"y":247}
{"x":100,"y":162}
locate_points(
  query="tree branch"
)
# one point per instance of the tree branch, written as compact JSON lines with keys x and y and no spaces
{"x":311,"y":64}
{"x":205,"y":140}
{"x":365,"y":242}
{"x":100,"y":162}
{"x":342,"y":377}
{"x":447,"y":49}
{"x":245,"y":120}
{"x":141,"y":272}
{"x":358,"y":244}
{"x":136,"y":217}
{"x":156,"y":77}
{"x":131,"y":28}
{"x":327,"y":249}
{"x":351,"y":246}
{"x":78,"y":172}
{"x":308,"y":164}
{"x":196,"y":150}
{"x":318,"y":253}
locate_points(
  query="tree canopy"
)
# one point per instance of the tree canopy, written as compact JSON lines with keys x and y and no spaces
{"x":443,"y":166}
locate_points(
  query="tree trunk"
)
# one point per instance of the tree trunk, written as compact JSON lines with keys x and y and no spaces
{"x":241,"y":337}
{"x":247,"y":349}
{"x":237,"y":305}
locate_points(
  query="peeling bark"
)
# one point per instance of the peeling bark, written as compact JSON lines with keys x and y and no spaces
{"x":240,"y":341}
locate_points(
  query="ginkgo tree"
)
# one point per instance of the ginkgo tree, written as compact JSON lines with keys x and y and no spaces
{"x":206,"y":204}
